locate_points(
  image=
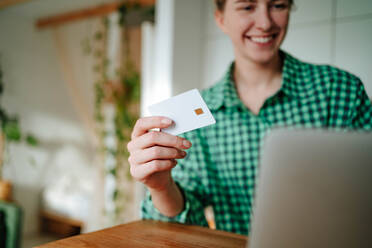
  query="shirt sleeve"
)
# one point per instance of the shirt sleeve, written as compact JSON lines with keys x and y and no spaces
{"x":362,"y":118}
{"x":190,"y":175}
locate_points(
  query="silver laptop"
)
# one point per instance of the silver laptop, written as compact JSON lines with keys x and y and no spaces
{"x":314,"y":190}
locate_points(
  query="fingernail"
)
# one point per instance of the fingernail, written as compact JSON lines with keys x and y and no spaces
{"x":166,"y":121}
{"x":186,"y":143}
{"x":183,"y":153}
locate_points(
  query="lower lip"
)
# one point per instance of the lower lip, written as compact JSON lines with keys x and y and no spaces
{"x":266,"y":44}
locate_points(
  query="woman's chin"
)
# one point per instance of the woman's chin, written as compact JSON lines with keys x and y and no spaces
{"x":263,"y":57}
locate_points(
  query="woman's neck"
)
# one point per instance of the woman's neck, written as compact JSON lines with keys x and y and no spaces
{"x":248,"y":74}
{"x":257,"y":82}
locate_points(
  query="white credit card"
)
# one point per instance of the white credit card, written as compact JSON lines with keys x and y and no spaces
{"x":187,"y":110}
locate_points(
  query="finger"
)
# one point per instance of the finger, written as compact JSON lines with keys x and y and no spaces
{"x":146,"y":123}
{"x":161,"y":139}
{"x":155,"y":153}
{"x":140,"y":172}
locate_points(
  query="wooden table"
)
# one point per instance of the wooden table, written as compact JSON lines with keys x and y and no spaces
{"x":148,"y":233}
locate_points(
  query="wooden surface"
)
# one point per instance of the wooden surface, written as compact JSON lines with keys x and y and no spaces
{"x":147,"y":233}
{"x":8,"y":3}
{"x":101,"y":10}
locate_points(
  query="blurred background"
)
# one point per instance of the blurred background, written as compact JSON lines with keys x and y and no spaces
{"x":76,"y":74}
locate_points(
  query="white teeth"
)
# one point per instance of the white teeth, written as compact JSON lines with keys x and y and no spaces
{"x":262,"y":39}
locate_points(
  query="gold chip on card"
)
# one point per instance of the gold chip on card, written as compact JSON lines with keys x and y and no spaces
{"x":187,"y":110}
{"x":199,"y":111}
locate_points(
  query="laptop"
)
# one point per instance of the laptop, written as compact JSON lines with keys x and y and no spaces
{"x":314,"y":189}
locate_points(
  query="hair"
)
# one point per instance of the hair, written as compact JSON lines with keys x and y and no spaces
{"x":220,"y":4}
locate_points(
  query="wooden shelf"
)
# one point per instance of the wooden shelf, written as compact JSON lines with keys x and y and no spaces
{"x":59,"y":225}
{"x":101,"y":10}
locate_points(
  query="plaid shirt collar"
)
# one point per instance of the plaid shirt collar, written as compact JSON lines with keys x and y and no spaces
{"x":225,"y":93}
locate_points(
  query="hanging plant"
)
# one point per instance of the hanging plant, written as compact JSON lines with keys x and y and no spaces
{"x":123,"y":93}
{"x":10,"y":132}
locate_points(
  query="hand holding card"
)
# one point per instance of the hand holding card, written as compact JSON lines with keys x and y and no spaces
{"x":187,"y":110}
{"x":154,"y":154}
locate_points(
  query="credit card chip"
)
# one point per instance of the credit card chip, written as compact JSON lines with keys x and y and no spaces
{"x":199,"y":111}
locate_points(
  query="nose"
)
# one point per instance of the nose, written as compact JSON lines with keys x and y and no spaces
{"x":263,"y":19}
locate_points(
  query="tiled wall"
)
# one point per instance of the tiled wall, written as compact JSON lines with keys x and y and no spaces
{"x":337,"y":32}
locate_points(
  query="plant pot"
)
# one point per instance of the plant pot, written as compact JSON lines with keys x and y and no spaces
{"x":5,"y":190}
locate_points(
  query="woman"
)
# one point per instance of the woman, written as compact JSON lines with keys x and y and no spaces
{"x":264,"y":88}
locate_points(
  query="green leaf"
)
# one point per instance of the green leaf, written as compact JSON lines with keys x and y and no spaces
{"x":123,"y":9}
{"x":12,"y":131}
{"x":115,"y":194}
{"x":106,"y":22}
{"x":98,"y":36}
{"x":3,"y":117}
{"x":31,"y":140}
{"x":112,"y":172}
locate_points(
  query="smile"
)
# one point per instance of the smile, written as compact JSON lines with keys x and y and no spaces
{"x":262,"y":39}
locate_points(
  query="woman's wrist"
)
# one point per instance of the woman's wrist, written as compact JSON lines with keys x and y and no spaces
{"x":169,"y":201}
{"x":169,"y":187}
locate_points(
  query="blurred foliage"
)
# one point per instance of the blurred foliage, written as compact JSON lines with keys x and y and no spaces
{"x":123,"y":93}
{"x":10,"y":128}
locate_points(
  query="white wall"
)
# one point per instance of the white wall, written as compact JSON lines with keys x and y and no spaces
{"x":188,"y":44}
{"x":178,"y":49}
{"x":217,"y":49}
{"x":35,"y":91}
{"x":336,"y":32}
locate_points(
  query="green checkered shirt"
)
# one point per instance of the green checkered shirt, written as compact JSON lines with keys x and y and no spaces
{"x":221,"y":167}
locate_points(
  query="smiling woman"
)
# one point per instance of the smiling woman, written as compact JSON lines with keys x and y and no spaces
{"x":256,"y":29}
{"x":263,"y":88}
{"x":220,"y":4}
